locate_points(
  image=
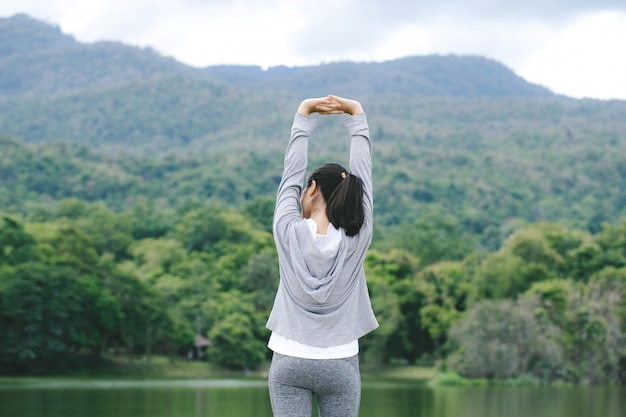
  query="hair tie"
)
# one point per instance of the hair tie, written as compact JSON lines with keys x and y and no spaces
{"x":343,"y":175}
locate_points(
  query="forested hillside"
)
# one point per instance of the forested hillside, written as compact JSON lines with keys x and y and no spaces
{"x":144,"y":187}
{"x":492,"y":164}
{"x":37,"y":59}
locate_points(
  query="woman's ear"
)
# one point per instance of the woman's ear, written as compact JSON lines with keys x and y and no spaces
{"x":312,"y":188}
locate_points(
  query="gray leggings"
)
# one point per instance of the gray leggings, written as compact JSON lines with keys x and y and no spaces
{"x":335,"y":382}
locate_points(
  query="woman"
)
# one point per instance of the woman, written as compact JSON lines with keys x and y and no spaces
{"x":322,"y":305}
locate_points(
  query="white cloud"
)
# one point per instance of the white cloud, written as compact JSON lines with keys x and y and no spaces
{"x":584,"y":60}
{"x":233,"y":36}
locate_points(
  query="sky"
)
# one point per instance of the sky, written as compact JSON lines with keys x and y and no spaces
{"x":573,"y":47}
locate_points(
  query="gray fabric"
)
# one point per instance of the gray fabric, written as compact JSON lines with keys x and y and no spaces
{"x":335,"y":382}
{"x":321,"y":300}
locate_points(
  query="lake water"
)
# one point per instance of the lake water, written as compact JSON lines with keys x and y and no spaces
{"x":230,"y":398}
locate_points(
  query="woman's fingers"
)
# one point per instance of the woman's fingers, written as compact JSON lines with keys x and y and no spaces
{"x":348,"y":105}
{"x":328,"y":106}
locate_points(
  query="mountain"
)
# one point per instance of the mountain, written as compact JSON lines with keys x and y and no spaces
{"x":430,"y":76}
{"x":110,"y":95}
{"x":37,"y":59}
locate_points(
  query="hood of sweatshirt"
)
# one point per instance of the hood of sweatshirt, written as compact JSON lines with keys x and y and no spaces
{"x":319,"y":281}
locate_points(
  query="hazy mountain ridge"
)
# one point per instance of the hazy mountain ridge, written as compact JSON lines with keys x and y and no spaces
{"x":55,"y":88}
{"x":430,"y":76}
{"x":36,"y":58}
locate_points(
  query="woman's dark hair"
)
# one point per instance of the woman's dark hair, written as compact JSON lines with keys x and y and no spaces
{"x":343,"y":193}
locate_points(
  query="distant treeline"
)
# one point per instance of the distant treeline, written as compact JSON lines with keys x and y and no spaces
{"x":79,"y":281}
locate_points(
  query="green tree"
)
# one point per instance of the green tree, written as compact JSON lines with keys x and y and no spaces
{"x":62,"y":243}
{"x":237,"y":332}
{"x":380,"y":274}
{"x":612,"y":240}
{"x":446,"y":290}
{"x":109,"y":232}
{"x":435,"y":238}
{"x":584,"y":260}
{"x":16,"y":245}
{"x":502,"y":339}
{"x":260,"y":278}
{"x":50,"y":315}
{"x":554,"y":300}
{"x":147,"y":221}
{"x":533,"y":246}
{"x":504,"y":275}
{"x":534,"y":254}
{"x":154,"y":263}
{"x":261,"y":209}
{"x":596,"y":329}
{"x":392,"y":275}
{"x":145,"y":320}
{"x":228,"y":237}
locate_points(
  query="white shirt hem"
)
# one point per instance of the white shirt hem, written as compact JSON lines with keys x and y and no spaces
{"x":289,"y":347}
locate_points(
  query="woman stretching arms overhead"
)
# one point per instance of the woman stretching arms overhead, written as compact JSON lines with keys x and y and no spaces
{"x":322,"y":306}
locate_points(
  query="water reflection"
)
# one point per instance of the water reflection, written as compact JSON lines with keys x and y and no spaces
{"x":52,"y":383}
{"x":229,"y":398}
{"x":529,"y":402}
{"x":72,"y":398}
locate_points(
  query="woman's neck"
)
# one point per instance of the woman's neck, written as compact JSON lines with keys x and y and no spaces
{"x":321,"y":220}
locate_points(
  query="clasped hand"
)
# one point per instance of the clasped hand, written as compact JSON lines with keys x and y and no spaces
{"x":330,"y":105}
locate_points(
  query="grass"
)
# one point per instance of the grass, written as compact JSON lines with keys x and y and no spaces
{"x":160,"y":367}
{"x":453,"y":379}
{"x":400,"y":372}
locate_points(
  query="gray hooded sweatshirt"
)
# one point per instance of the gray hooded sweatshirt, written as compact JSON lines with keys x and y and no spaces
{"x":322,"y":300}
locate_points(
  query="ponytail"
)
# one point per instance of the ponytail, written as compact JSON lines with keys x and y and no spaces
{"x":343,"y":193}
